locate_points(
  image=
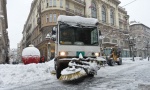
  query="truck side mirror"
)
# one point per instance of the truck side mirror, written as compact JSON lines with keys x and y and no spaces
{"x":53,"y":37}
{"x":101,"y":37}
{"x":54,"y":30}
{"x":100,"y":33}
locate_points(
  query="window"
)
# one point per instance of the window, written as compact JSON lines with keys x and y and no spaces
{"x":67,"y":4}
{"x":50,"y":19}
{"x":54,"y":3}
{"x":93,"y":10}
{"x":114,"y":41}
{"x":50,"y":3}
{"x":47,"y":18}
{"x":46,"y":3}
{"x":112,"y":17}
{"x":106,"y":40}
{"x":61,"y":3}
{"x":121,"y":43}
{"x":0,"y":6}
{"x":40,"y":39}
{"x":70,"y":35}
{"x":103,"y":14}
{"x":55,"y":17}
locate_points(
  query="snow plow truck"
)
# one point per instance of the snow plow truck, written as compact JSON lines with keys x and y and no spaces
{"x":76,"y":46}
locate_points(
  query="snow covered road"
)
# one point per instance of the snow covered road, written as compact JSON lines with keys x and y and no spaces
{"x":129,"y":76}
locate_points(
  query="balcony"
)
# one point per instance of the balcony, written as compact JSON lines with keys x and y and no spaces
{"x":122,"y":21}
{"x":82,"y":3}
{"x":79,"y":14}
{"x":28,"y":27}
{"x":70,"y":11}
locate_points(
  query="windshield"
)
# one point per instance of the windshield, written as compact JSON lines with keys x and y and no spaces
{"x":70,"y":35}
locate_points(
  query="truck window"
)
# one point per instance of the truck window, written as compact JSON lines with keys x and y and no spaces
{"x":70,"y":35}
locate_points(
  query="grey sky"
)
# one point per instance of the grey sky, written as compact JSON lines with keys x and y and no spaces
{"x":138,"y":10}
{"x":18,"y":10}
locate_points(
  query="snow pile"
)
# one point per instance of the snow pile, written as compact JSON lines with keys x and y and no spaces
{"x":23,"y":75}
{"x":75,"y":20}
{"x":30,"y":51}
{"x":11,"y":75}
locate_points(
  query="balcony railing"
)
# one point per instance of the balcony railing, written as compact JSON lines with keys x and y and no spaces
{"x":79,"y":14}
{"x":122,"y":21}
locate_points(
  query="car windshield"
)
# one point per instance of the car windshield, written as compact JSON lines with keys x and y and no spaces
{"x":70,"y":35}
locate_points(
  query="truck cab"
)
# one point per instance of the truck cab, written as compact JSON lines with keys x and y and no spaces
{"x":76,"y":37}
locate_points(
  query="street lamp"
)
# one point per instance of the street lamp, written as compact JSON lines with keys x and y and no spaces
{"x":101,"y":38}
{"x":147,"y":46}
{"x":48,"y":46}
{"x":131,"y":46}
{"x":13,"y":55}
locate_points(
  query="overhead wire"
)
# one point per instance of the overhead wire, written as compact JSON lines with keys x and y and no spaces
{"x":129,"y":3}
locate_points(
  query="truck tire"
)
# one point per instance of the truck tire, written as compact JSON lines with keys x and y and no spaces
{"x":58,"y":70}
{"x":119,"y":62}
{"x":111,"y":62}
{"x":59,"y":67}
{"x":91,"y":75}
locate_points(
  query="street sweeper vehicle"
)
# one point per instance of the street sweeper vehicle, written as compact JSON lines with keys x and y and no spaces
{"x":76,"y":47}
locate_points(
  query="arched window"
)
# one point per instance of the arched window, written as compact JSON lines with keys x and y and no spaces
{"x":112,"y":17}
{"x":114,"y":41}
{"x":103,"y":14}
{"x":121,"y":43}
{"x":93,"y":10}
{"x":106,"y":40}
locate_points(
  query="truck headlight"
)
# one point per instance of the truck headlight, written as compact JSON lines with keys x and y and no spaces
{"x":97,"y":54}
{"x":62,"y":53}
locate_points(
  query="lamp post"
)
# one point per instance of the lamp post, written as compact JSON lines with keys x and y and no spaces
{"x":147,"y":46}
{"x":13,"y":55}
{"x":48,"y":47}
{"x":101,"y":38}
{"x":131,"y":46}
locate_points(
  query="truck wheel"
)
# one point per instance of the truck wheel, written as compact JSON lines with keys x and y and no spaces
{"x":119,"y":62}
{"x":91,"y":75}
{"x":55,"y":62}
{"x":111,"y":62}
{"x":58,"y":71}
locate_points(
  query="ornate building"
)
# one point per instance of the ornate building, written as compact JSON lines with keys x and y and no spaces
{"x":4,"y":41}
{"x":141,"y":34}
{"x":114,"y":23}
{"x":43,"y":16}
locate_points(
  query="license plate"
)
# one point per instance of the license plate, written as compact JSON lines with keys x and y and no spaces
{"x":78,"y":53}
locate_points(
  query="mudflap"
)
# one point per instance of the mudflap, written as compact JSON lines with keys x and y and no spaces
{"x":59,"y":66}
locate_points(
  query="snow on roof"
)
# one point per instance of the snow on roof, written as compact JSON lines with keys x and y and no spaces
{"x":134,"y":22}
{"x":31,"y":50}
{"x":74,"y":20}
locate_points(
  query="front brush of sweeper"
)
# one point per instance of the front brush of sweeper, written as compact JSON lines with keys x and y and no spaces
{"x":71,"y":74}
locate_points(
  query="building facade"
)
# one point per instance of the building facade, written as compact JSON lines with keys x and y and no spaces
{"x":114,"y":23}
{"x":4,"y":40}
{"x":43,"y":16}
{"x":141,"y":34}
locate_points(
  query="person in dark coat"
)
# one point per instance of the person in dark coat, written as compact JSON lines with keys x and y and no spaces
{"x":42,"y":60}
